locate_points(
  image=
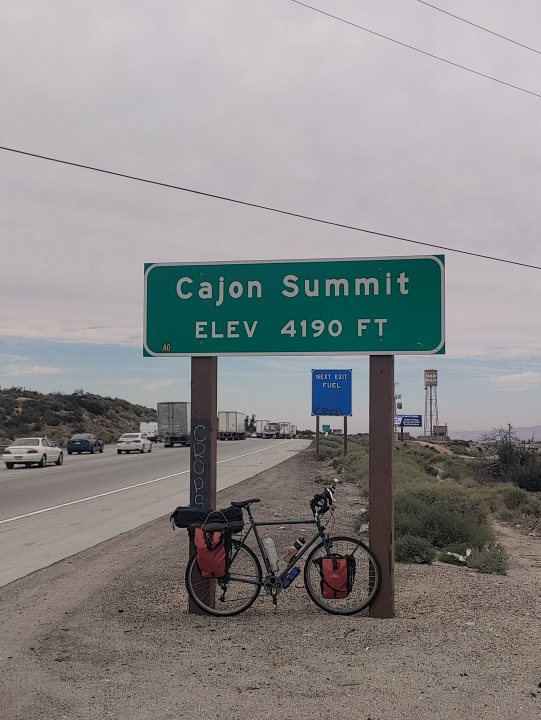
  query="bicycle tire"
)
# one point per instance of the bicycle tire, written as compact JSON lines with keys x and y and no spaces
{"x":365,"y":585}
{"x":245,"y":564}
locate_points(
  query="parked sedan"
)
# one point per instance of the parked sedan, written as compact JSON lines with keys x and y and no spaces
{"x":84,"y":442}
{"x":133,"y":442}
{"x":32,"y":451}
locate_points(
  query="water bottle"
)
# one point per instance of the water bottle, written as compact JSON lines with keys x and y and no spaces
{"x":294,"y":549}
{"x":270,"y":549}
{"x":292,"y":574}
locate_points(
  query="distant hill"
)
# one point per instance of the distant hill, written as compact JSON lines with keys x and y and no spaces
{"x":523,"y":433}
{"x":59,"y":415}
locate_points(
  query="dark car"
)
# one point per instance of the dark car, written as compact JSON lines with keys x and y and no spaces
{"x":84,"y":442}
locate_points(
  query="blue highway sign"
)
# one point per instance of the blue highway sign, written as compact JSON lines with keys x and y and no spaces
{"x":408,"y":420}
{"x":331,"y":393}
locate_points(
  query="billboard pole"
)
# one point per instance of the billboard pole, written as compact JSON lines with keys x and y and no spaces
{"x":317,"y":437}
{"x":345,"y":435}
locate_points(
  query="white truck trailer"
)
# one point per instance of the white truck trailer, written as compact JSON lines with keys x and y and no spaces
{"x":150,"y":429}
{"x":285,"y":429}
{"x":174,"y":423}
{"x":260,"y":427}
{"x":231,"y":425}
{"x":271,"y":430}
{"x":293,"y":431}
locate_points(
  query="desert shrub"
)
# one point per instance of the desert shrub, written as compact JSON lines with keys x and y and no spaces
{"x":490,"y":559}
{"x":528,"y":475}
{"x":443,"y":514}
{"x":514,"y":497}
{"x":411,"y":468}
{"x":456,"y":468}
{"x":353,"y":467}
{"x":430,"y":469}
{"x":329,"y":450}
{"x":413,"y":549}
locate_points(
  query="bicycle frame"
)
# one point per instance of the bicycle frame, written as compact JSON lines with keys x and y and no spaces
{"x":254,"y":524}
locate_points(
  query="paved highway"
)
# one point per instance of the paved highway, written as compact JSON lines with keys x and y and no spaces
{"x":47,"y":514}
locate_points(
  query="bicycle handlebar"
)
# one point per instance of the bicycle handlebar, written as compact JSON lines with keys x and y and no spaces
{"x":322,"y":502}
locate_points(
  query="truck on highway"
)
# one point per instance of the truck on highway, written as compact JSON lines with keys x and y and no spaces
{"x":150,"y":429}
{"x":271,"y":430}
{"x":174,"y":423}
{"x":285,"y":429}
{"x":293,"y":431}
{"x":231,"y":425}
{"x":260,"y":427}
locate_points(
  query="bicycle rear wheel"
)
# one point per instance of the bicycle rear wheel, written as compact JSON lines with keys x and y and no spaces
{"x":236,"y":591}
{"x":365,"y":584}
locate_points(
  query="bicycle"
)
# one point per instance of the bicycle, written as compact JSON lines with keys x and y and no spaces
{"x":244,"y":580}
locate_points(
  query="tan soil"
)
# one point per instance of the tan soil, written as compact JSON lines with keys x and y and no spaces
{"x":105,"y":634}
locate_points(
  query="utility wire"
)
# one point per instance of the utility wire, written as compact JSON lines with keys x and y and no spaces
{"x":480,"y":27}
{"x":416,"y":49}
{"x":279,"y":211}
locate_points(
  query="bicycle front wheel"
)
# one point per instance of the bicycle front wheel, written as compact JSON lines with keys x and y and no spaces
{"x":233,"y":593}
{"x":365,"y":584}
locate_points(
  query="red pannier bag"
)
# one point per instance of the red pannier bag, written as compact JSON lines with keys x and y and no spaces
{"x":212,"y":552}
{"x":337,"y":576}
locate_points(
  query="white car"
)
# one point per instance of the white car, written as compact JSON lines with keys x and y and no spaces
{"x":133,"y":442}
{"x":32,"y":451}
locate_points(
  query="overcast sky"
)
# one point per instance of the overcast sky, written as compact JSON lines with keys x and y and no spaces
{"x":269,"y":102}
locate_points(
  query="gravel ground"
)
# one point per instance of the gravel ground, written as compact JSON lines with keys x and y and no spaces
{"x":105,"y":634}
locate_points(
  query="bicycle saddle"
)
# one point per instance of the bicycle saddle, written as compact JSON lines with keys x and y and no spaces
{"x":245,"y":503}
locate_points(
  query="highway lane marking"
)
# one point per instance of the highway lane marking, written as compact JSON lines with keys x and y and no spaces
{"x":129,"y":487}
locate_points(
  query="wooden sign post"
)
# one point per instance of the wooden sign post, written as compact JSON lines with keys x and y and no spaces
{"x":203,"y":451}
{"x":381,"y":479}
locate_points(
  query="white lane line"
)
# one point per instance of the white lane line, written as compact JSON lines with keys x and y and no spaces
{"x":129,"y":487}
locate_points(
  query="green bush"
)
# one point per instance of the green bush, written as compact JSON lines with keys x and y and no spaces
{"x":442,"y":514}
{"x":413,"y":549}
{"x":528,"y":475}
{"x":491,"y":559}
{"x":457,"y":468}
{"x":514,"y":497}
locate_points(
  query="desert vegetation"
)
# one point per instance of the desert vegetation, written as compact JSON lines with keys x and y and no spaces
{"x":446,"y":503}
{"x":58,"y":415}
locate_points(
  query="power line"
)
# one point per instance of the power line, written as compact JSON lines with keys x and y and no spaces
{"x":258,"y":206}
{"x":416,"y":49}
{"x":480,"y":27}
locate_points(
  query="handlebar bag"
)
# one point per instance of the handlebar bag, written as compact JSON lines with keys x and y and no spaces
{"x":337,"y":575}
{"x":212,"y":551}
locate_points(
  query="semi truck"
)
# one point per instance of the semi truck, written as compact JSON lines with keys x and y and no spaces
{"x":285,"y":429}
{"x":150,"y":429}
{"x":260,"y":427}
{"x":293,"y":431}
{"x":231,"y":425}
{"x":271,"y":430}
{"x":174,"y":423}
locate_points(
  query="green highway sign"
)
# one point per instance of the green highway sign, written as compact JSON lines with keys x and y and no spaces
{"x":373,"y":306}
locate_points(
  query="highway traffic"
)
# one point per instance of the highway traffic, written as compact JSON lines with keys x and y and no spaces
{"x":48,"y":513}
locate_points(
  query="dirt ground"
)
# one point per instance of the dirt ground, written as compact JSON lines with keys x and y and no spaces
{"x":105,"y":634}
